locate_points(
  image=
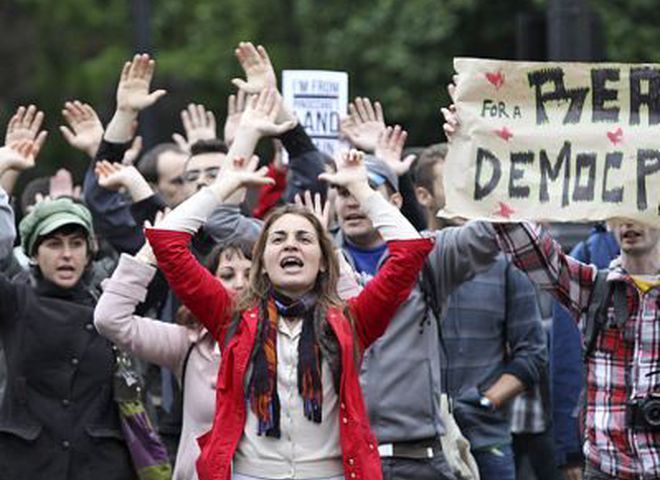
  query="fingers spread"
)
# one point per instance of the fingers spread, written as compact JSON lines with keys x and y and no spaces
{"x":29,"y":115}
{"x":369,"y":109}
{"x":361,"y":109}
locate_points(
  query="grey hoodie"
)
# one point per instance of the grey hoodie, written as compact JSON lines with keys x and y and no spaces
{"x":400,"y":373}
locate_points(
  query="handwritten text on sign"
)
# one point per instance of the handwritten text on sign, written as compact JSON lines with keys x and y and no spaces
{"x":319,"y":98}
{"x":555,"y":141}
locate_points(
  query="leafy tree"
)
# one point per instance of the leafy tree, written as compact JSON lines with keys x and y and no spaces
{"x":398,"y":52}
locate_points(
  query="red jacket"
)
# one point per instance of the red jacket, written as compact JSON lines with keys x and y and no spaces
{"x":203,"y":294}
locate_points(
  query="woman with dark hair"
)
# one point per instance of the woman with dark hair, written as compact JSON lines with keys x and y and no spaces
{"x":288,"y":400}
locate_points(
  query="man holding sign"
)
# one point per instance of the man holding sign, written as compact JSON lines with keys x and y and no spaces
{"x":576,"y":142}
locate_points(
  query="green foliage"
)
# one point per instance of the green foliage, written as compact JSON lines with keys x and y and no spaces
{"x":631,"y":29}
{"x":398,"y":52}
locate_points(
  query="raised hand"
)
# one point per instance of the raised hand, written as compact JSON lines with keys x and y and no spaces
{"x":61,"y":185}
{"x":239,"y":173}
{"x":257,"y":66}
{"x":115,"y":176}
{"x":112,"y":176}
{"x":84,"y":130}
{"x":25,"y":125}
{"x":198,"y":124}
{"x":320,"y":209}
{"x":18,"y":156}
{"x":364,"y":124}
{"x":235,"y":107}
{"x":261,"y":113}
{"x":451,"y":119}
{"x":351,"y":171}
{"x":389,"y":148}
{"x":134,"y":85}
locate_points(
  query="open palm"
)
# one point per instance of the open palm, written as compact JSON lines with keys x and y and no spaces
{"x":84,"y":130}
{"x":257,"y":66}
{"x":134,"y":84}
{"x":350,"y":170}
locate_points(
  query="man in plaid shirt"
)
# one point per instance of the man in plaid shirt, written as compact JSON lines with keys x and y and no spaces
{"x":625,"y":363}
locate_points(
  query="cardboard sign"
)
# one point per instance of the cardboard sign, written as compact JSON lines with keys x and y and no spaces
{"x":319,"y":98}
{"x":555,"y":142}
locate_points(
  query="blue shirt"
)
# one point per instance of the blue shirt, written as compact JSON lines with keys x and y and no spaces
{"x":366,"y":259}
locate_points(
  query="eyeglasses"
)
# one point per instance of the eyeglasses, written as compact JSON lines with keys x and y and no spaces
{"x":210,"y":173}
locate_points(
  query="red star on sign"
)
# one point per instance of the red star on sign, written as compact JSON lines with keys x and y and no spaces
{"x":504,"y":133}
{"x":504,"y":211}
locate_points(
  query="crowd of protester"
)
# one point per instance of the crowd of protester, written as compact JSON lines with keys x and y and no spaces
{"x":160,"y":322}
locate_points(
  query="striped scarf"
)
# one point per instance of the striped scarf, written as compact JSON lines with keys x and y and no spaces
{"x":262,"y":390}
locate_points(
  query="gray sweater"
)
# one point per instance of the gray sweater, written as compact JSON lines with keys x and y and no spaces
{"x":400,"y":373}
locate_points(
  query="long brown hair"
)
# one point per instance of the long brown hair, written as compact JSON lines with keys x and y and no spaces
{"x":326,"y":281}
{"x":325,"y":287}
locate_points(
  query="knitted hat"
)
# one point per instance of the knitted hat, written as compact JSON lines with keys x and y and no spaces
{"x":48,"y":216}
{"x":379,"y":172}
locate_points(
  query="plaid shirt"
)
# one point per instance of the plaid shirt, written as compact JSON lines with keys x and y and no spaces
{"x":527,"y":414}
{"x":631,"y":351}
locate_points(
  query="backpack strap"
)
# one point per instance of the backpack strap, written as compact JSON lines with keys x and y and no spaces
{"x":185,"y":366}
{"x":620,"y":301}
{"x":596,"y":313}
{"x":427,"y":285}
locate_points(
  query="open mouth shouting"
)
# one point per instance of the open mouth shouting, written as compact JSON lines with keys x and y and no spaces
{"x":66,"y":271}
{"x":291,"y":264}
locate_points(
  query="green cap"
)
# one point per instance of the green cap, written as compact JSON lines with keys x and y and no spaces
{"x":50,"y":215}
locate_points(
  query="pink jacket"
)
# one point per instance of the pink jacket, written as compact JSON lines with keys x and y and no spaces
{"x":164,"y":344}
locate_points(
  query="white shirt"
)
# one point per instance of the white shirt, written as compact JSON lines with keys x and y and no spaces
{"x":305,"y":450}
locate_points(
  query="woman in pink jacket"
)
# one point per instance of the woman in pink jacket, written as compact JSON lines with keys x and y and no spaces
{"x":187,"y":350}
{"x":288,"y":399}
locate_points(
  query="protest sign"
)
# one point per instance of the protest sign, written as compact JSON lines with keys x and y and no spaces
{"x":555,"y":142}
{"x":319,"y":98}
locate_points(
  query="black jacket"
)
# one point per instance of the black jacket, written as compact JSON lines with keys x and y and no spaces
{"x":58,"y":420}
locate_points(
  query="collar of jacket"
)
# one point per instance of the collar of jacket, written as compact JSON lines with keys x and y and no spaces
{"x":618,"y":273}
{"x":81,"y":293}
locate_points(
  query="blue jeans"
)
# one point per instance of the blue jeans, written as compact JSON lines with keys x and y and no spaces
{"x":495,"y":463}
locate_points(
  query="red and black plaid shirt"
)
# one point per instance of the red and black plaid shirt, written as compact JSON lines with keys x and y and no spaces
{"x":629,"y":351}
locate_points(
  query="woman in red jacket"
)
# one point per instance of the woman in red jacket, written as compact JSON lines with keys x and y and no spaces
{"x":288,"y":402}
